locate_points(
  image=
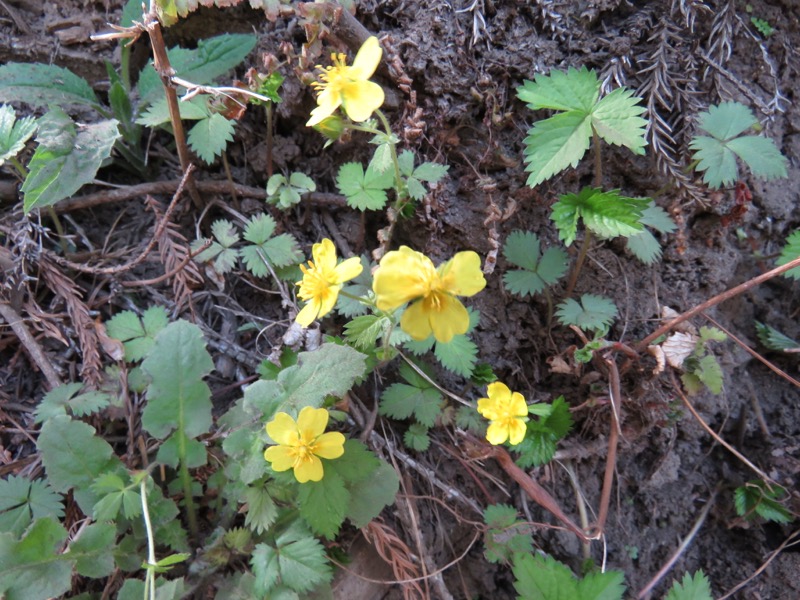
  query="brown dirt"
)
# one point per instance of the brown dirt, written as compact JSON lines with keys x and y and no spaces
{"x":464,"y":64}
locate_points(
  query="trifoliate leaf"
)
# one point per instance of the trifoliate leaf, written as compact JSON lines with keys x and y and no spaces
{"x":544,"y":578}
{"x":137,"y":335}
{"x":605,"y":213}
{"x":505,"y":535}
{"x":790,"y":252}
{"x":364,"y":191}
{"x":691,"y":587}
{"x":755,"y":498}
{"x":209,"y":137}
{"x":710,"y":334}
{"x":13,"y":133}
{"x":717,"y":154}
{"x":416,"y":437}
{"x":56,"y":401}
{"x":470,"y":419}
{"x":296,"y":559}
{"x":773,"y":339}
{"x":594,"y":313}
{"x":703,"y":372}
{"x":279,"y":251}
{"x":522,"y":249}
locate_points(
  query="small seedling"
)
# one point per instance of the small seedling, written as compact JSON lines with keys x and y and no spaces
{"x":537,"y":270}
{"x":755,"y":498}
{"x":593,"y":313}
{"x":716,"y":153}
{"x":286,"y":193}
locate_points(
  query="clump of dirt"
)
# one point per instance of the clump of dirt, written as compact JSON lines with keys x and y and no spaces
{"x":464,"y":64}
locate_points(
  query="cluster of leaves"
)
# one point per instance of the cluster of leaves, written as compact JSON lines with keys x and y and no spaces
{"x":286,"y":193}
{"x":264,"y":251}
{"x":756,"y":498}
{"x":701,"y":368}
{"x":537,"y":270}
{"x":68,"y":155}
{"x":592,"y":313}
{"x":543,"y":433}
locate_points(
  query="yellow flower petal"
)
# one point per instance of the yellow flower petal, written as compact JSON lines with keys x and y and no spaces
{"x":488,"y":409}
{"x":309,"y":470}
{"x":283,"y":429}
{"x":280,"y":458}
{"x":367,"y":59}
{"x":327,"y":103}
{"x":324,"y":254}
{"x":309,"y":313}
{"x":516,"y":431}
{"x":402,"y":276}
{"x":517,"y":405}
{"x":449,"y":319}
{"x":348,"y":269}
{"x":362,"y":98}
{"x":415,"y":321}
{"x":496,"y":434}
{"x":329,"y":445}
{"x":498,"y":391}
{"x":311,"y":422}
{"x":462,"y":275}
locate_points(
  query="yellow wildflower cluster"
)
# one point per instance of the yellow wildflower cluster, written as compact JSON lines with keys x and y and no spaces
{"x":405,"y":275}
{"x":507,"y":412}
{"x":301,"y":443}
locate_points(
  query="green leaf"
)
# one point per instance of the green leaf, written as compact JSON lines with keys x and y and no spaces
{"x":577,"y":89}
{"x":92,"y":550}
{"x":302,"y":182}
{"x":361,"y":286}
{"x":73,"y":457}
{"x":67,"y":158}
{"x":756,"y":498}
{"x":544,"y":578}
{"x":364,"y":191}
{"x":133,"y":589}
{"x":773,"y":339}
{"x":470,"y":419}
{"x":505,"y":535}
{"x":330,"y":370}
{"x":323,"y":504}
{"x":279,"y":251}
{"x":209,"y":137}
{"x":594,"y":313}
{"x":709,"y":372}
{"x":790,"y":252}
{"x":382,"y":159}
{"x":556,"y":143}
{"x":177,"y":397}
{"x":369,"y":496}
{"x":22,"y":501}
{"x":30,"y":569}
{"x":261,"y":509}
{"x":116,"y":496}
{"x":430,"y":172}
{"x":13,"y":133}
{"x":605,"y":213}
{"x":616,"y":119}
{"x":522,"y":248}
{"x":157,"y":113}
{"x":137,"y":335}
{"x":717,"y":154}
{"x":691,"y":587}
{"x":400,"y":401}
{"x":644,"y":245}
{"x":212,"y":58}
{"x":363,"y":331}
{"x":459,"y":355}
{"x":416,"y":437}
{"x":296,"y":559}
{"x":44,"y":85}
{"x":355,"y":465}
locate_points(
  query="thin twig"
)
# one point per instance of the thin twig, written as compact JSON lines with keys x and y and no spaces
{"x":30,"y":344}
{"x":611,"y":459}
{"x":177,"y":269}
{"x":763,"y":567}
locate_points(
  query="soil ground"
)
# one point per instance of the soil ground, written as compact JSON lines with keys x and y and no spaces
{"x":460,"y":64}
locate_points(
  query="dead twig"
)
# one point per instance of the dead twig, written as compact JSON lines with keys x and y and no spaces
{"x":30,"y":344}
{"x":174,"y":271}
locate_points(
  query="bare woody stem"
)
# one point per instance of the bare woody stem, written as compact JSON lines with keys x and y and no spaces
{"x":165,"y":72}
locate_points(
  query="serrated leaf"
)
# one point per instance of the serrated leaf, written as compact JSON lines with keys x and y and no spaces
{"x":715,"y":160}
{"x":361,"y":286}
{"x":761,"y":155}
{"x":260,"y":228}
{"x":406,"y":161}
{"x":616,"y":118}
{"x":30,"y":568}
{"x":369,"y":496}
{"x":577,"y":89}
{"x":177,"y":397}
{"x":459,"y":355}
{"x":323,"y":504}
{"x":711,"y":334}
{"x":773,"y":339}
{"x":73,"y":456}
{"x":544,"y":578}
{"x":691,"y":587}
{"x":44,"y":85}
{"x":400,"y":401}
{"x":556,"y":143}
{"x":297,"y":560}
{"x":594,"y":313}
{"x":13,"y":133}
{"x":212,"y":58}
{"x":522,"y":248}
{"x":504,"y":535}
{"x":137,"y":335}
{"x":364,"y":191}
{"x":644,"y":246}
{"x":209,"y":137}
{"x":416,"y":437}
{"x":657,"y":218}
{"x":727,"y":120}
{"x":382,"y":159}
{"x":469,"y":419}
{"x":67,"y":158}
{"x":790,"y":252}
{"x":430,"y":172}
{"x":92,"y":550}
{"x":22,"y":501}
{"x":363,"y":331}
{"x":710,"y":373}
{"x":605,"y":213}
{"x":158,"y":112}
{"x":261,"y":509}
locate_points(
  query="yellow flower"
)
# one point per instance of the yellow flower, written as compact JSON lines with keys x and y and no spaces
{"x":507,"y":413}
{"x":349,"y":87}
{"x":322,"y":281}
{"x":405,"y":275}
{"x":302,"y":443}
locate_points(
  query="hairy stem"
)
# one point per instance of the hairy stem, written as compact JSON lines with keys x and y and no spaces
{"x":268,"y":109}
{"x":150,"y":579}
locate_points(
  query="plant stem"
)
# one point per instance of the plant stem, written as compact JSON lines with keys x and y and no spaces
{"x":393,"y":149}
{"x":573,"y":278}
{"x":150,"y":579}
{"x":268,"y":109}
{"x":186,"y":482}
{"x":598,"y":159}
{"x":21,"y":170}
